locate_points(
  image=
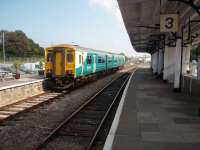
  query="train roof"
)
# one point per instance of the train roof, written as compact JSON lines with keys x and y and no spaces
{"x":82,"y":48}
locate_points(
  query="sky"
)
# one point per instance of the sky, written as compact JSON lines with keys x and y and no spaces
{"x":90,"y":23}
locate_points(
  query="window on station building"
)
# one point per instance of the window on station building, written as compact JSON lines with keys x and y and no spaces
{"x":89,"y":59}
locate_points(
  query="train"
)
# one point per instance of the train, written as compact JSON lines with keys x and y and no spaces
{"x":67,"y":63}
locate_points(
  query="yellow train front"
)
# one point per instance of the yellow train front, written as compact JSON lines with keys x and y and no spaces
{"x":65,"y":64}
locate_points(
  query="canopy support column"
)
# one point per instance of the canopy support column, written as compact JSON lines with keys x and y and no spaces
{"x":177,"y":65}
{"x":160,"y":61}
{"x":166,"y":63}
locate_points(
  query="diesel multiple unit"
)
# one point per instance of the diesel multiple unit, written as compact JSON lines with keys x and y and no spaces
{"x":65,"y":63}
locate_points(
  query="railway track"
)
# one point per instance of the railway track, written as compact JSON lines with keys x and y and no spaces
{"x":80,"y":129}
{"x":12,"y":110}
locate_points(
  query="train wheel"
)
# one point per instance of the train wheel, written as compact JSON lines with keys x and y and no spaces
{"x":48,"y":84}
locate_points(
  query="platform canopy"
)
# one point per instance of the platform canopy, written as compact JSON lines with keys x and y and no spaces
{"x":142,"y":19}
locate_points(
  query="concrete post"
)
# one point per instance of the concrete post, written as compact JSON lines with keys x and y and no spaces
{"x":186,"y":59}
{"x":152,"y":61}
{"x":155,"y":62}
{"x":166,"y":63}
{"x":170,"y":66}
{"x":177,"y":64}
{"x":160,"y":61}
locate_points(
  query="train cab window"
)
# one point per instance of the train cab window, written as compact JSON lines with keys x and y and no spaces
{"x":89,"y":59}
{"x":80,"y":59}
{"x":49,"y":56}
{"x":70,"y":57}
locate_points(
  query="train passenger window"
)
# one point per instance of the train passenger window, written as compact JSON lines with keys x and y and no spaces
{"x":99,"y":60}
{"x":80,"y":59}
{"x":110,"y":60}
{"x":49,"y":57}
{"x":70,"y":57}
{"x":89,"y":59}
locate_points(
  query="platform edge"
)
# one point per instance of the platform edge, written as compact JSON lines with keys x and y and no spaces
{"x":110,"y":138}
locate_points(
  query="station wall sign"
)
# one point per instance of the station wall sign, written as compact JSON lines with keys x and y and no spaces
{"x":169,"y":22}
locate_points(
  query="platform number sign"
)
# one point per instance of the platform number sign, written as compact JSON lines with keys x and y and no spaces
{"x":169,"y":23}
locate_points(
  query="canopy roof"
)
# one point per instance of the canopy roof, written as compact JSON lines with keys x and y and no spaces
{"x":142,"y":18}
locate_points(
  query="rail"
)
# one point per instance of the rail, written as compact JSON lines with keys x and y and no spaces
{"x":91,"y":115}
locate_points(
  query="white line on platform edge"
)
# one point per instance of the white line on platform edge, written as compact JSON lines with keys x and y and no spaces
{"x":110,"y":138}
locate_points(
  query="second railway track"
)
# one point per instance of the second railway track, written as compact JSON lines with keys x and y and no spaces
{"x":80,"y":129}
{"x":12,"y":110}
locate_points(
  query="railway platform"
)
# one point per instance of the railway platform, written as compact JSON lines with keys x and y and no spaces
{"x":16,"y":90}
{"x":151,"y":116}
{"x":12,"y":83}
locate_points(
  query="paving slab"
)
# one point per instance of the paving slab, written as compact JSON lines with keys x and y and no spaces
{"x":153,"y":117}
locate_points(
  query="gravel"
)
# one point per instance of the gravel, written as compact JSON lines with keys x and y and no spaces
{"x":26,"y":131}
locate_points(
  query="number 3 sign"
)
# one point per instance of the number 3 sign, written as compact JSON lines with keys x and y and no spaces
{"x":169,"y":23}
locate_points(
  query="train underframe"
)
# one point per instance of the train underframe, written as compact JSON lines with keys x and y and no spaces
{"x":66,"y":82}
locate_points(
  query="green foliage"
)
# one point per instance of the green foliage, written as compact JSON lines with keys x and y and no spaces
{"x":195,"y":53}
{"x":17,"y":44}
{"x":41,"y":65}
{"x":17,"y":65}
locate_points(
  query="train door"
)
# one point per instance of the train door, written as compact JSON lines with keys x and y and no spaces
{"x":89,"y":64}
{"x":70,"y":62}
{"x":58,"y":62}
{"x":79,"y":64}
{"x":106,"y":61}
{"x":94,"y":64}
{"x":82,"y":64}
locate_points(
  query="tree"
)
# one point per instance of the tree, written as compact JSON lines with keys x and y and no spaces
{"x":17,"y":44}
{"x":195,"y":52}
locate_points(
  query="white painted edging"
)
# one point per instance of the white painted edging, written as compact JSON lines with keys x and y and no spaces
{"x":110,"y":138}
{"x":21,"y":84}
